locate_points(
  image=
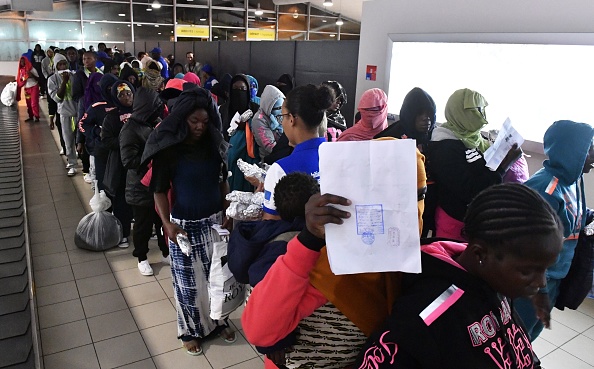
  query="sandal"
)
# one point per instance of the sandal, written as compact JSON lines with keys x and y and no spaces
{"x":228,"y":335}
{"x":188,"y":346}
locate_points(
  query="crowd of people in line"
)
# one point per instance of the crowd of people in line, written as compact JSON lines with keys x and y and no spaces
{"x":164,"y":140}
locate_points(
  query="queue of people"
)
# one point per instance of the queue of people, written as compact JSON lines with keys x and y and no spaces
{"x":167,"y":145}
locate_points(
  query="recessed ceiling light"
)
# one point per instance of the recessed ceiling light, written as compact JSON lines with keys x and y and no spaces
{"x":234,"y":36}
{"x":324,"y":21}
{"x":333,"y":35}
{"x":156,"y":25}
{"x":122,"y":14}
{"x":216,"y":37}
{"x":156,"y":5}
{"x":202,"y":19}
{"x":139,"y":25}
{"x":158,"y":33}
{"x":92,"y":22}
{"x":327,"y":3}
{"x":149,"y":9}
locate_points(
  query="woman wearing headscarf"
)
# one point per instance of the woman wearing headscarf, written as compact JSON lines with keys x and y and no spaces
{"x":455,"y":161}
{"x":336,"y":122}
{"x":152,"y":75}
{"x":28,"y":77}
{"x":242,"y":143}
{"x":192,"y":78}
{"x":285,"y":83}
{"x":114,"y":180}
{"x":374,"y":117}
{"x":417,"y":119}
{"x":189,"y":156}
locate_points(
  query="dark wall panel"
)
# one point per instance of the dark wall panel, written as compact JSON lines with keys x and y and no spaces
{"x":181,"y":48}
{"x":207,"y":53}
{"x":234,"y":58}
{"x":320,"y":61}
{"x":139,"y":46}
{"x":129,"y":47}
{"x":269,"y":60}
{"x":167,"y":47}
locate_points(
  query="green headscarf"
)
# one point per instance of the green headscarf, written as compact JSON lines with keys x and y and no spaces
{"x":465,"y":120}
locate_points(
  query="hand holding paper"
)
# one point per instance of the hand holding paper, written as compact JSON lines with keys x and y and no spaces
{"x":319,"y":212}
{"x":506,"y":139}
{"x":380,"y":180}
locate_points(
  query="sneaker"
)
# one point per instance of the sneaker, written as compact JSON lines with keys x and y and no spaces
{"x":166,"y":260}
{"x":68,"y":166}
{"x":145,"y":268}
{"x":62,"y":152}
{"x":124,"y":243}
{"x":42,"y":96}
{"x":89,"y":178}
{"x":71,"y":172}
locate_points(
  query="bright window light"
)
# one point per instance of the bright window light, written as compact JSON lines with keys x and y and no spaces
{"x":533,"y":85}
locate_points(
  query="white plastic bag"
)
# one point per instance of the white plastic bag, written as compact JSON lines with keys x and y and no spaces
{"x":99,"y":230}
{"x":9,"y":94}
{"x":226,"y":294}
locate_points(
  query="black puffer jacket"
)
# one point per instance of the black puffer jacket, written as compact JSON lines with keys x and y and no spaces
{"x":145,"y":116}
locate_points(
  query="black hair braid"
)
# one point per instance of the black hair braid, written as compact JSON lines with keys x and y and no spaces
{"x":509,"y":211}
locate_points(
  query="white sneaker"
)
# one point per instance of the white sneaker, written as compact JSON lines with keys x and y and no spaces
{"x":89,"y":178}
{"x":124,"y":243}
{"x":145,"y":268}
{"x":61,"y":151}
{"x":166,"y":259}
{"x":71,"y":172}
{"x":68,"y":166}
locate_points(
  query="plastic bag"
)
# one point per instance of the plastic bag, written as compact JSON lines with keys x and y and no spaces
{"x":8,"y":96}
{"x":99,"y":230}
{"x":226,"y":294}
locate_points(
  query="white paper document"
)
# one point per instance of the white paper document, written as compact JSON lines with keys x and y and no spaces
{"x":380,"y":178}
{"x":506,"y":138}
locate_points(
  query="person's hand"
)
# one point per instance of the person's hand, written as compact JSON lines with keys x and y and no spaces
{"x":278,"y":357}
{"x":318,"y":212}
{"x":542,"y":306}
{"x":260,"y":187}
{"x":52,"y":125}
{"x":79,"y":148}
{"x":171,"y":230}
{"x":65,"y":77}
{"x":227,"y":224}
{"x":252,"y":180}
{"x":512,"y":156}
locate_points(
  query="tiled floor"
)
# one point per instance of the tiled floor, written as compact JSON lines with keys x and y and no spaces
{"x":97,"y":311}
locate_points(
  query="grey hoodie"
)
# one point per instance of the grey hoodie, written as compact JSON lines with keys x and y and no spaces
{"x":262,"y":125}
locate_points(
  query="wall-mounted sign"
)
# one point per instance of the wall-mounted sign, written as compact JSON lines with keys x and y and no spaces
{"x":184,"y":30}
{"x":371,"y":72}
{"x":258,"y":34}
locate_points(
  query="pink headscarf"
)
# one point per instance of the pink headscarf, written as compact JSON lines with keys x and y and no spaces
{"x":374,"y":117}
{"x":192,"y":78}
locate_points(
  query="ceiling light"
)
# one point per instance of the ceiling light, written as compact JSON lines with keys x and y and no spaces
{"x":149,"y":9}
{"x":339,"y":21}
{"x":295,"y":14}
{"x":156,"y":5}
{"x":202,"y":19}
{"x":327,"y":3}
{"x":258,"y":10}
{"x":234,"y":36}
{"x":122,"y":14}
{"x":333,"y":35}
{"x":158,"y":33}
{"x":216,"y":37}
{"x":156,"y":25}
{"x":139,"y":25}
{"x":324,"y":21}
{"x":92,"y":22}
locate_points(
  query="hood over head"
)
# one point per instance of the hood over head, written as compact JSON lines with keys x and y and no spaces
{"x":239,"y":101}
{"x":339,"y":92}
{"x":415,"y":103}
{"x":105,"y":84}
{"x":174,"y":128}
{"x":58,"y":58}
{"x":114,"y":93}
{"x":374,"y":117}
{"x":269,"y":97}
{"x":173,"y":88}
{"x":285,"y":83}
{"x":128,"y":71}
{"x":147,"y":107}
{"x":566,"y":144}
{"x":253,"y":86}
{"x":465,"y":115}
{"x":192,"y":78}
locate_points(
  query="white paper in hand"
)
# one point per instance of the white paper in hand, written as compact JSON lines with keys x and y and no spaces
{"x":233,"y":125}
{"x":380,"y":178}
{"x":506,"y":138}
